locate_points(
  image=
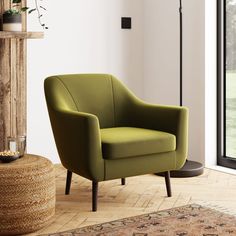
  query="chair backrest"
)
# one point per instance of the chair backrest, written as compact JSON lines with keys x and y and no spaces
{"x":99,"y":94}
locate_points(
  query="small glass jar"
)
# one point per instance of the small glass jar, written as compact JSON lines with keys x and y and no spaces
{"x":17,"y":144}
{"x":11,"y":144}
{"x":21,"y":145}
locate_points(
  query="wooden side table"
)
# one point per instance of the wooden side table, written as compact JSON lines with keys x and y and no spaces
{"x":27,"y":195}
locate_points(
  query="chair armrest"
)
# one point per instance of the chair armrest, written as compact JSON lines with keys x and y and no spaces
{"x":78,"y":140}
{"x":171,"y":119}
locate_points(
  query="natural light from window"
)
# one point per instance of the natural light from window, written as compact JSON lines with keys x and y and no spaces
{"x":230,"y":95}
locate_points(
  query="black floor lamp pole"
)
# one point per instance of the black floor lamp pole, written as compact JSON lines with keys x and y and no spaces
{"x":181,"y":52}
{"x":190,"y":168}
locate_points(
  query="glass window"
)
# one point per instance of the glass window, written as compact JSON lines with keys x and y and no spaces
{"x":230,"y":79}
{"x":226,"y":16}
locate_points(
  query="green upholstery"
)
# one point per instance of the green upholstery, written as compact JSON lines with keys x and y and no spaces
{"x":122,"y":142}
{"x":102,"y":131}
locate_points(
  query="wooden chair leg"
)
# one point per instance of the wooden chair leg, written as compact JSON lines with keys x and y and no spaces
{"x":94,"y":195}
{"x":123,"y":181}
{"x":68,"y":182}
{"x":168,"y":186}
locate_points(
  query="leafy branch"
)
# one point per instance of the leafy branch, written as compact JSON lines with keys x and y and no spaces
{"x":38,"y":8}
{"x":17,"y":9}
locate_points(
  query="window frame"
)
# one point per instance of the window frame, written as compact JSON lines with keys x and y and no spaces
{"x":222,"y":159}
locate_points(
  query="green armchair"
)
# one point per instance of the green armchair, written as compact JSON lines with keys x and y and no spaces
{"x":103,"y":132}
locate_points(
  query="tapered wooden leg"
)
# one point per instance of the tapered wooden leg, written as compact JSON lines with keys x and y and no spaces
{"x":68,"y":182}
{"x":168,"y":186}
{"x":123,"y":181}
{"x":94,"y":195}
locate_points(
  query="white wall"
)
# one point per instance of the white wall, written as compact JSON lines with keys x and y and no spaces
{"x":88,"y":39}
{"x":161,"y":51}
{"x":125,"y":52}
{"x":161,"y":70}
{"x":210,"y":84}
{"x":194,"y":75}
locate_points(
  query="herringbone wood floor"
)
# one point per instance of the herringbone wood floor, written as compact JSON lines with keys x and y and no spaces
{"x":140,"y":195}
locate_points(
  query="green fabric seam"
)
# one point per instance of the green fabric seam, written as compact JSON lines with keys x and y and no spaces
{"x":67,"y":91}
{"x":114,"y":109}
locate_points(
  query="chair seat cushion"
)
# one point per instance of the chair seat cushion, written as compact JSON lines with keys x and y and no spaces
{"x":121,"y":142}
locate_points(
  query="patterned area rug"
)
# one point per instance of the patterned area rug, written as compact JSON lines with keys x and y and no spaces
{"x":190,"y":220}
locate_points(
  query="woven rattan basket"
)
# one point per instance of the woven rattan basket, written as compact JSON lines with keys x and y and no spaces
{"x":27,"y":195}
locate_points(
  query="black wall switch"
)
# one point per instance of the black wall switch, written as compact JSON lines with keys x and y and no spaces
{"x":126,"y":23}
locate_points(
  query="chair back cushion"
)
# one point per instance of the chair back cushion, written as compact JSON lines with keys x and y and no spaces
{"x":90,"y":93}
